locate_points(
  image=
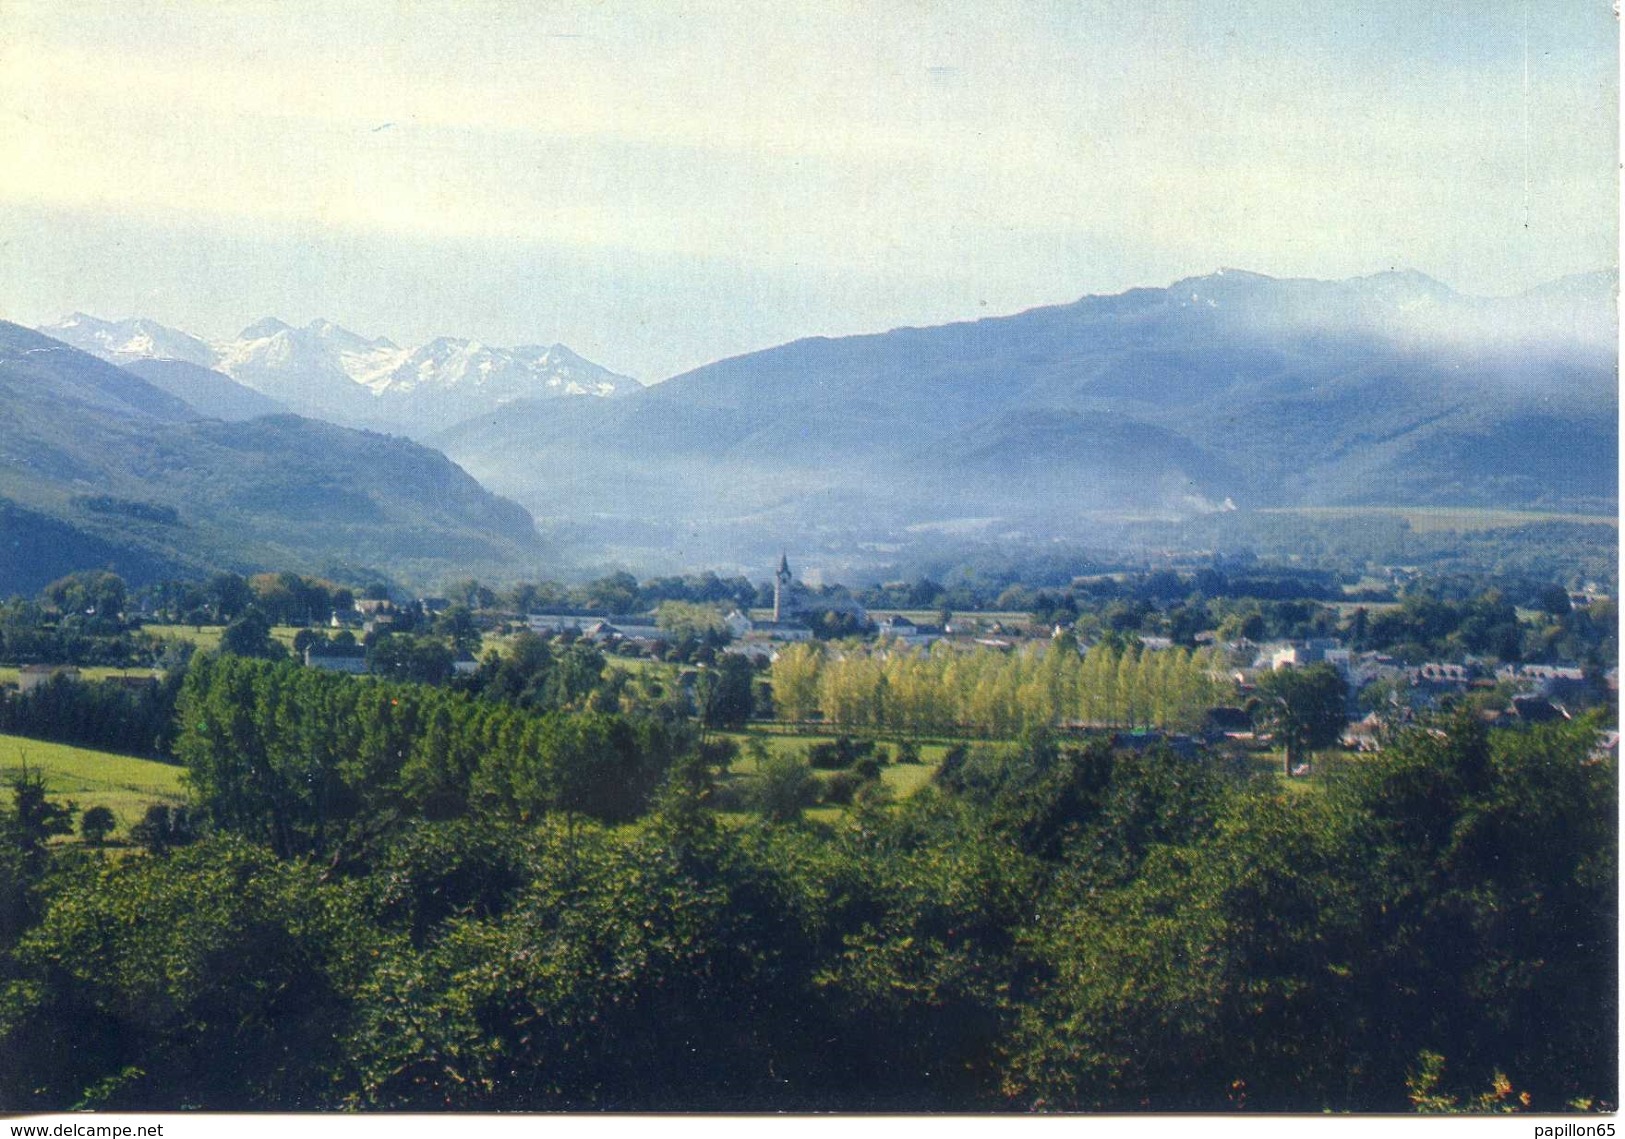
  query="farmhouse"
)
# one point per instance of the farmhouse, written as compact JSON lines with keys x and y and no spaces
{"x":633,"y":631}
{"x":900,"y":630}
{"x":601,"y":628}
{"x":31,"y":676}
{"x":779,"y":631}
{"x":738,"y":624}
{"x":1317,"y":650}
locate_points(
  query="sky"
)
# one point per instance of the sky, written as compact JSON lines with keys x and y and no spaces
{"x":660,"y":184}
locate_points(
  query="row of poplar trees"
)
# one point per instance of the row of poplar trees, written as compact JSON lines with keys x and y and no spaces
{"x":991,"y":692}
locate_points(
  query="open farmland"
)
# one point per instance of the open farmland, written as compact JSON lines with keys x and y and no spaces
{"x":126,"y":785}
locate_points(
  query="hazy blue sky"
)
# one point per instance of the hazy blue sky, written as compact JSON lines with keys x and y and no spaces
{"x":660,"y":184}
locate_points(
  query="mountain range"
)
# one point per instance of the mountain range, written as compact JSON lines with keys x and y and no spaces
{"x":326,"y":371}
{"x":1232,"y":390}
{"x":1228,"y":392}
{"x":100,"y":467}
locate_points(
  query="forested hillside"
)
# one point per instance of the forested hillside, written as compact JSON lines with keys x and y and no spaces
{"x":99,"y":468}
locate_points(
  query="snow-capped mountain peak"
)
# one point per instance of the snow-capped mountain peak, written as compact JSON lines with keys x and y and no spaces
{"x":495,"y":375}
{"x":264,"y":329}
{"x":120,"y":341}
{"x":326,"y":370}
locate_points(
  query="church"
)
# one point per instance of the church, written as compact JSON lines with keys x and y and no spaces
{"x":784,"y":591}
{"x":792,"y":600}
{"x":792,"y":604}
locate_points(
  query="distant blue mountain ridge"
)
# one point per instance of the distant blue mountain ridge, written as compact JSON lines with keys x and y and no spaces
{"x":1228,"y":390}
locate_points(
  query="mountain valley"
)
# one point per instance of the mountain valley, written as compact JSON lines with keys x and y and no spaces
{"x":1217,"y":396}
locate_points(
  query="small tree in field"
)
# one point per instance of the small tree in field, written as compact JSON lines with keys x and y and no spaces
{"x":724,"y":693}
{"x":35,"y":818}
{"x":96,"y":824}
{"x":164,"y":827}
{"x":250,"y":636}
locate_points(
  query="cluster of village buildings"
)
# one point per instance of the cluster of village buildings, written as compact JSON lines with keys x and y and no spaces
{"x":1538,"y":692}
{"x":1535,"y":693}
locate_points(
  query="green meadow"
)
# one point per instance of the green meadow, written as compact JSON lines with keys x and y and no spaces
{"x":95,"y":778}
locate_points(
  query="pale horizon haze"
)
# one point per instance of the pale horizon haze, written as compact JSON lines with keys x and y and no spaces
{"x":659,"y":185}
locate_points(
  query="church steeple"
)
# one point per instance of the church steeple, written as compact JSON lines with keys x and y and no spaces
{"x":781,"y":588}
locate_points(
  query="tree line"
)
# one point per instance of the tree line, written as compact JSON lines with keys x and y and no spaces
{"x":110,"y":717}
{"x":998,"y":693}
{"x":306,"y":761}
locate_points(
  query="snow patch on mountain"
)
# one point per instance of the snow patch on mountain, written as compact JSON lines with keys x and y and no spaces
{"x":327,"y":370}
{"x":135,"y":339}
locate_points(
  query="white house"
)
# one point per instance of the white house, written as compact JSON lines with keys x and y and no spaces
{"x":900,"y":630}
{"x":738,"y":624}
{"x":1316,"y":651}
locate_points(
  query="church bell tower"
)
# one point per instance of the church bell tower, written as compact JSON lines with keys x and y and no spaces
{"x":781,"y":589}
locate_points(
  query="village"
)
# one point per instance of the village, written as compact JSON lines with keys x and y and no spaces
{"x":445,"y":639}
{"x":1382,"y":690}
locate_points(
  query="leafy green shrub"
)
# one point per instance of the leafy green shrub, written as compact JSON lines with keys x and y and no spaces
{"x":840,"y":787}
{"x":839,"y":754}
{"x":783,"y":789}
{"x":437,"y":871}
{"x":164,"y":827}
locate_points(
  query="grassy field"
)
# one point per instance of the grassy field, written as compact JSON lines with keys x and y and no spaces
{"x":1324,"y":766}
{"x":779,"y":743}
{"x":95,"y":778}
{"x":1429,"y":519}
{"x":903,"y":779}
{"x":640,"y":665}
{"x":207,"y":637}
{"x":10,"y":673}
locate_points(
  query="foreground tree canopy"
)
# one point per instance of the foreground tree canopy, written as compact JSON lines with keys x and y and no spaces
{"x":408,"y":899}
